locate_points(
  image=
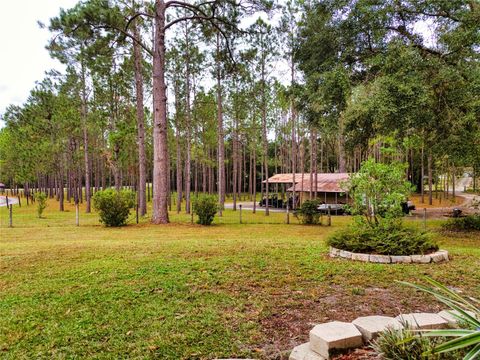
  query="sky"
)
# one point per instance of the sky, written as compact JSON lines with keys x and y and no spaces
{"x":23,"y":57}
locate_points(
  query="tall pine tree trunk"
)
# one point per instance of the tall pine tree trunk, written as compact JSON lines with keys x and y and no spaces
{"x":85,"y":139}
{"x":142,"y":161}
{"x":160,"y":143}
{"x":221,"y":143}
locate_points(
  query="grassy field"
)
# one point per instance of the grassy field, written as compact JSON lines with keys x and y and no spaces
{"x":183,"y":291}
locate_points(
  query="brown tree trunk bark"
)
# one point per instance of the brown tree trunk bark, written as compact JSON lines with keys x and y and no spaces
{"x":160,"y":143}
{"x":188,"y":173}
{"x":142,"y":161}
{"x":85,"y":140}
{"x":221,"y":143}
{"x":430,"y":179}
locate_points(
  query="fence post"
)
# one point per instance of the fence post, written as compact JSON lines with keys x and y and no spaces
{"x":19,"y":201}
{"x":191,"y":216}
{"x":77,"y":215}
{"x":288,"y":213}
{"x":10,"y":223}
{"x":136,"y":212}
{"x":240,"y":212}
{"x":329,"y":216}
{"x":6,"y":199}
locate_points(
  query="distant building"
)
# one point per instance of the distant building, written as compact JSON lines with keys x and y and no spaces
{"x":326,"y":187}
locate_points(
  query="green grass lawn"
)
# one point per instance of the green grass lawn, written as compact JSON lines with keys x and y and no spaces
{"x":183,"y":291}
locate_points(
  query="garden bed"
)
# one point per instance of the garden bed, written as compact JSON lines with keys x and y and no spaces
{"x":435,"y":257}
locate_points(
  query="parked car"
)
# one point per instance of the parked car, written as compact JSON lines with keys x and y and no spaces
{"x":335,"y":209}
{"x":407,"y":207}
{"x":273,"y":201}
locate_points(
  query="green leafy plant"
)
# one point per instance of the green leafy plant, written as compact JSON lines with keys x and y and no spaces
{"x":466,"y":223}
{"x":308,"y":212}
{"x":41,"y":199}
{"x":378,"y":190}
{"x":205,"y":206}
{"x":389,"y":237}
{"x":114,"y":206}
{"x":466,"y":312}
{"x":394,"y":344}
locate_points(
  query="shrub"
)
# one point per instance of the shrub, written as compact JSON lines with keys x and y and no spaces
{"x":466,"y":341}
{"x":114,"y":206}
{"x":389,"y":237}
{"x":378,"y":190}
{"x":308,"y":212}
{"x":41,"y":199}
{"x":403,"y":345}
{"x":205,"y":206}
{"x":466,"y":223}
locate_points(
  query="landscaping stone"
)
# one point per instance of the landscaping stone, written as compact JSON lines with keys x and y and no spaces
{"x":401,"y":259}
{"x":383,"y":259}
{"x":334,"y":252}
{"x":446,"y":256}
{"x":439,"y":256}
{"x":333,"y":336}
{"x":303,"y":352}
{"x":345,"y":254}
{"x":423,"y":321}
{"x":421,"y":259}
{"x":452,"y":320}
{"x":372,"y":326}
{"x":360,"y":257}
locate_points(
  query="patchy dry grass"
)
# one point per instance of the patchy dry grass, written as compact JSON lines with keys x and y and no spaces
{"x":182,"y":291}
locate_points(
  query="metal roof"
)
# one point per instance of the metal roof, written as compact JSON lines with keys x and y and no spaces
{"x":321,"y":177}
{"x":322,"y":186}
{"x":326,"y":182}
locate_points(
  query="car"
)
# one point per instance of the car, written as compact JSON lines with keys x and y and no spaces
{"x":335,"y":209}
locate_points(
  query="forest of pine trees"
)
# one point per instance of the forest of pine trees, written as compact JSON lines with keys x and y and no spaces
{"x":177,"y":98}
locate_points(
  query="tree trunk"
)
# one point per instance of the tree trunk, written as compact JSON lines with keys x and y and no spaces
{"x":422,"y":175}
{"x":142,"y":161}
{"x":430,"y":179}
{"x":85,"y":141}
{"x":341,"y":147}
{"x":188,"y":173}
{"x":221,"y":143}
{"x":160,"y":143}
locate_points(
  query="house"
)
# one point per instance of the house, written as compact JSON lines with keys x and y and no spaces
{"x":327,"y":187}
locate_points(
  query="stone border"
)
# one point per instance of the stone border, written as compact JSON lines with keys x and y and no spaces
{"x":334,"y":337}
{"x":436,"y":257}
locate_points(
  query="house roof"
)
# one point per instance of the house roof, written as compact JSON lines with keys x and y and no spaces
{"x":287,"y":178}
{"x":322,"y":186}
{"x":326,"y":182}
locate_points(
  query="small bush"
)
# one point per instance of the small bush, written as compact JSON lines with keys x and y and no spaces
{"x":466,"y":223}
{"x":114,"y":206}
{"x":389,"y":237}
{"x":41,"y":199}
{"x":308,"y":212}
{"x":404,"y":345}
{"x":205,"y":206}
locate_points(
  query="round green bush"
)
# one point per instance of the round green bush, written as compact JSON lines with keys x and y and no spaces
{"x":114,"y":206}
{"x":389,"y":237}
{"x":308,"y":212}
{"x":205,"y":206}
{"x":466,"y":223}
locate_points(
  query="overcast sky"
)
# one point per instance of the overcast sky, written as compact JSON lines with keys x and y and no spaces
{"x":23,"y":58}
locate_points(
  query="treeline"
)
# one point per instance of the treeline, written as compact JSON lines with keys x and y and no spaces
{"x":185,"y":96}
